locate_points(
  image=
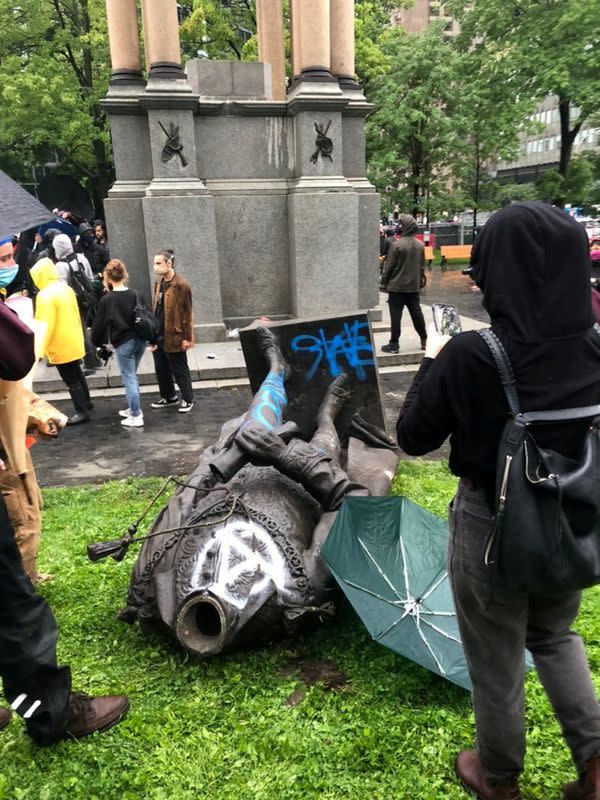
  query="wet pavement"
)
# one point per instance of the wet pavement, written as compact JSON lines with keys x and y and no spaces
{"x":170,"y":442}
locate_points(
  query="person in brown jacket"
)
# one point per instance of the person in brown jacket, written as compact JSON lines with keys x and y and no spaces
{"x":401,"y":279}
{"x":172,"y":307}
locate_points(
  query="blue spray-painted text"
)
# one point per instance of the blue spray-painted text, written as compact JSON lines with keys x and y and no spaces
{"x":350,"y":344}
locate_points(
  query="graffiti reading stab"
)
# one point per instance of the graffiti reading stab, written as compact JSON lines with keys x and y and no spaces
{"x":349,"y":344}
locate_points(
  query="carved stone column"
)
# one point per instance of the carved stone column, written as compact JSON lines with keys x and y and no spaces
{"x":271,"y":49}
{"x":311,"y":40}
{"x":342,"y":42}
{"x":161,"y":35}
{"x":124,"y":42}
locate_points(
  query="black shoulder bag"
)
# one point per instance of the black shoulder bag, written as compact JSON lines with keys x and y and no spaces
{"x":546,"y":537}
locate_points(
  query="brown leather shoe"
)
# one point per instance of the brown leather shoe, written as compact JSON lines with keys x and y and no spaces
{"x":5,"y":715}
{"x":468,"y":769}
{"x":90,"y":714}
{"x":589,"y":787}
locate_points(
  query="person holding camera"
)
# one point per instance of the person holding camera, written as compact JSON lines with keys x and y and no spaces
{"x":62,"y":338}
{"x":115,"y":322}
{"x":531,"y":264}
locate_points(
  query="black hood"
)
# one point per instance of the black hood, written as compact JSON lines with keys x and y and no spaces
{"x":408,"y":224}
{"x":531,"y":262}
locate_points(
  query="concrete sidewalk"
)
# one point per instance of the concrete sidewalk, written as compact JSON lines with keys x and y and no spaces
{"x":221,"y":364}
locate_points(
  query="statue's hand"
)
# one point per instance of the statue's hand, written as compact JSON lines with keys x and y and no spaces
{"x":263,"y":446}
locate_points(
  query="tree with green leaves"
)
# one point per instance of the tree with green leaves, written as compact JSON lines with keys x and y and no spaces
{"x":218,"y":30}
{"x":413,"y":133}
{"x":489,"y":121}
{"x":54,"y":70}
{"x":553,"y":47}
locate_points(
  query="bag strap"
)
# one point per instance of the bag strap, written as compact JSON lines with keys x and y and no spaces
{"x":562,"y":415}
{"x":504,"y":367}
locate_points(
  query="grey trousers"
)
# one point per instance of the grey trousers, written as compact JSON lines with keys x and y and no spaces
{"x":496,"y":627}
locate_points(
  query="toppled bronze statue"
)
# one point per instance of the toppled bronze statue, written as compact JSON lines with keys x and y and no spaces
{"x":233,"y":559}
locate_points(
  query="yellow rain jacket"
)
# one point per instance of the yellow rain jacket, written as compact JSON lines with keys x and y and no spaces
{"x":56,"y":308}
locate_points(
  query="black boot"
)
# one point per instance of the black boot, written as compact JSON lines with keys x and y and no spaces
{"x":269,"y":346}
{"x":391,"y":347}
{"x":80,"y":400}
{"x":335,"y":397}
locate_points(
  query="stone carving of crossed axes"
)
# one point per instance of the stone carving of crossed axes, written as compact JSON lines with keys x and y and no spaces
{"x":173,"y":146}
{"x":323,"y":142}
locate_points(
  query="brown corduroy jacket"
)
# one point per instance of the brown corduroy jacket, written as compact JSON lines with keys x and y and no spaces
{"x":179,"y":317}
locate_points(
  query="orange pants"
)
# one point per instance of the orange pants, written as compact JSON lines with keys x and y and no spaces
{"x":24,"y":504}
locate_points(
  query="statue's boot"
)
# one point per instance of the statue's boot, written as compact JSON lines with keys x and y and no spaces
{"x":326,"y":437}
{"x":335,"y":397}
{"x":269,"y":347}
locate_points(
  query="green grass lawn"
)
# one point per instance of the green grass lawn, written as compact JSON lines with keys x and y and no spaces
{"x":245,"y":726}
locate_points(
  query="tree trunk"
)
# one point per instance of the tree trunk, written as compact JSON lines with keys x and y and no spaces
{"x":476,"y":186}
{"x":567,"y":137}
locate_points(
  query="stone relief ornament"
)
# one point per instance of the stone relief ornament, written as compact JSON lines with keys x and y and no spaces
{"x":173,"y":146}
{"x":323,"y":142}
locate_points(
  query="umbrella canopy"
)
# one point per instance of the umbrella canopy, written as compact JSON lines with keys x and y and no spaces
{"x":63,"y":191}
{"x":62,"y":225}
{"x":389,"y":557}
{"x":19,"y":210}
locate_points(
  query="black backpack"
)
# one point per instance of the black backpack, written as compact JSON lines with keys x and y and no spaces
{"x":546,"y":536}
{"x":84,"y":290}
{"x":144,"y":321}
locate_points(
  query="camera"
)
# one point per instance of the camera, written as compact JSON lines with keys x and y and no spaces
{"x":104,"y":353}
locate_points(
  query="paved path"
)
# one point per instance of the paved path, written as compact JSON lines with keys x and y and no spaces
{"x":170,"y":443}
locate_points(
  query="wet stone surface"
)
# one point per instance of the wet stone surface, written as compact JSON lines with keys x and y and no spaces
{"x":168,"y":444}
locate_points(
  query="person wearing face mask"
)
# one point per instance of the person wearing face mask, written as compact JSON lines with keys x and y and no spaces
{"x":172,"y":308}
{"x":531,"y":263}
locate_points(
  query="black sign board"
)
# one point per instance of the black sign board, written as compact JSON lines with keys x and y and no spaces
{"x":317,"y":351}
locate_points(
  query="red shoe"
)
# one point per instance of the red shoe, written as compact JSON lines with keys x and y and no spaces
{"x":470,"y":774}
{"x":90,"y":714}
{"x":589,"y":787}
{"x":5,"y":715}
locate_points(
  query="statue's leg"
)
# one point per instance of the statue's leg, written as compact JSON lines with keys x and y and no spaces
{"x":269,"y":402}
{"x":326,"y":436}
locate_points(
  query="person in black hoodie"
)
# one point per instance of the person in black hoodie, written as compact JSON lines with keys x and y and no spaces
{"x":531,"y":264}
{"x":114,"y":320}
{"x":87,"y":245}
{"x":401,"y":279}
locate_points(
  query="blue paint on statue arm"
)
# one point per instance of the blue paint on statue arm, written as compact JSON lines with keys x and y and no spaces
{"x":269,"y":403}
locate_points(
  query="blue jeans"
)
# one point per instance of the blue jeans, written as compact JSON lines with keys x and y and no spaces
{"x":129,"y":355}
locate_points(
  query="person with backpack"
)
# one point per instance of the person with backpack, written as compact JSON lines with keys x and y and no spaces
{"x":61,"y":339}
{"x":116,"y":321}
{"x":74,"y":270}
{"x":532,"y":266}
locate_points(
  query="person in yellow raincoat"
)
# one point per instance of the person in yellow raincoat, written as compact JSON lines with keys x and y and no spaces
{"x":62,"y":343}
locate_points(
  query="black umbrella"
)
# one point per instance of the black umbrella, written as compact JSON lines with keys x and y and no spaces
{"x":64,"y":192}
{"x":19,"y":210}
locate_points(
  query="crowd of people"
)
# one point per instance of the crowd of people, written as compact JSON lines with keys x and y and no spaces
{"x":82,"y":302}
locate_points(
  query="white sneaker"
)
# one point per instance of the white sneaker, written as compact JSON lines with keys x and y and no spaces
{"x":185,"y":407}
{"x":133,"y":422}
{"x":126,"y":412}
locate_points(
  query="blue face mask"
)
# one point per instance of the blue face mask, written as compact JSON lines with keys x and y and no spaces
{"x":8,"y":275}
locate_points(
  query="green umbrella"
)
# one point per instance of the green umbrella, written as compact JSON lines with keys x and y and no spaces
{"x":389,"y":557}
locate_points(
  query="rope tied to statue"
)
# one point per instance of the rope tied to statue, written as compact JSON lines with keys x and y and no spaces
{"x":117,"y":548}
